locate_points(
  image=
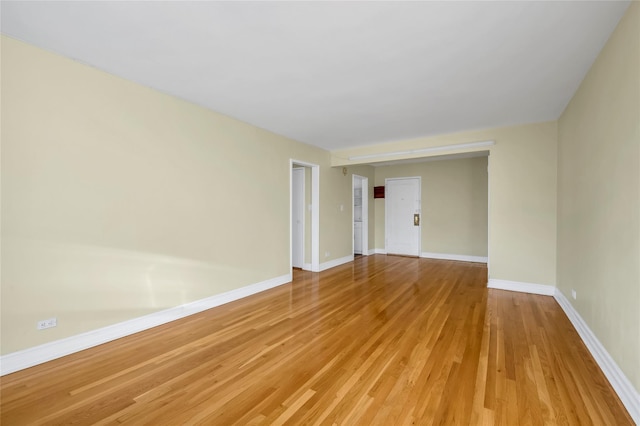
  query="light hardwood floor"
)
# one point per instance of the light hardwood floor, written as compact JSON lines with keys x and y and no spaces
{"x":383,"y":340}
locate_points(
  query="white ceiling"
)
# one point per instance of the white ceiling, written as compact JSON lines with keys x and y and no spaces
{"x":338,"y":74}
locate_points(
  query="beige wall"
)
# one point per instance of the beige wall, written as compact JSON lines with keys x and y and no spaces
{"x":119,"y":201}
{"x":522,"y":195}
{"x":454,"y":204}
{"x":599,"y":197}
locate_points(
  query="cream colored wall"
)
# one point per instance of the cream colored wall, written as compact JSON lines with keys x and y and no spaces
{"x":337,"y":204}
{"x":336,"y":222}
{"x":522,"y":204}
{"x":454,"y":204}
{"x":599,"y":197}
{"x":522,"y":195}
{"x":119,"y":201}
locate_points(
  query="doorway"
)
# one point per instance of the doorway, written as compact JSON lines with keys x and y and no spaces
{"x":298,"y":203}
{"x":402,"y":216}
{"x":307,"y":210}
{"x":360,"y":201}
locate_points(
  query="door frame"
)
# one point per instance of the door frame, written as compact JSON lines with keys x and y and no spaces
{"x":364,"y":184}
{"x":488,"y":216}
{"x":315,"y":214}
{"x":386,"y":215}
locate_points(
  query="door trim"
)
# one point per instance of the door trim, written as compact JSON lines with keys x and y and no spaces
{"x":488,"y":216}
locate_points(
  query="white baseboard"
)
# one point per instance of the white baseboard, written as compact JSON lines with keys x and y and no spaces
{"x":619,"y":381}
{"x":306,"y":267}
{"x":371,"y":251}
{"x":545,"y":290}
{"x":622,"y":386}
{"x":26,"y":358}
{"x":379,"y":251}
{"x":335,"y":262}
{"x":461,"y":257}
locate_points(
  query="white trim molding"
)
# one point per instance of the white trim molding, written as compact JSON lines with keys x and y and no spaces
{"x":460,"y":257}
{"x":336,"y":262}
{"x":26,"y":358}
{"x":428,"y":150}
{"x":379,"y":251}
{"x":542,"y":289}
{"x":626,"y":392}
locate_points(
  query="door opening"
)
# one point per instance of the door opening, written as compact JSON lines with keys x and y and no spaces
{"x":304,"y":252}
{"x":360,"y":196}
{"x":298,"y":217}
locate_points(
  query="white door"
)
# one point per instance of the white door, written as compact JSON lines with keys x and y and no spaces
{"x":402,"y":212}
{"x":297,"y":218}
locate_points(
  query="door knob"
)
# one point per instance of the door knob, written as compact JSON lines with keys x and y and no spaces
{"x":416,"y":220}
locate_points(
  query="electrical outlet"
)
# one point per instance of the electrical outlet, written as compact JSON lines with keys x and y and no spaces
{"x":48,"y":323}
{"x":574,"y":294}
{"x":327,"y":253}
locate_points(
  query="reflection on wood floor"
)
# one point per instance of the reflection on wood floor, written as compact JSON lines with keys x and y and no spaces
{"x":382,"y":340}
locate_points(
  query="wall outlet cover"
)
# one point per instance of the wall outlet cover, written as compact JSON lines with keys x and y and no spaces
{"x":48,"y":323}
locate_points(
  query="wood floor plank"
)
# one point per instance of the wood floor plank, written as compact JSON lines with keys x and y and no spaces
{"x":384,"y":340}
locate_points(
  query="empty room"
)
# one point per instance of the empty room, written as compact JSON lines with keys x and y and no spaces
{"x":349,"y":213}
